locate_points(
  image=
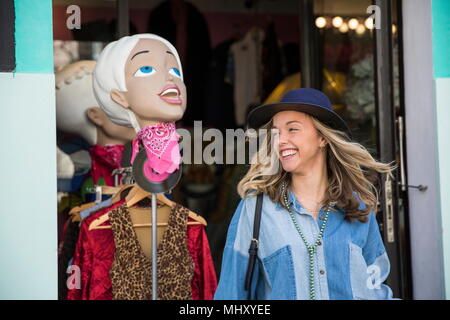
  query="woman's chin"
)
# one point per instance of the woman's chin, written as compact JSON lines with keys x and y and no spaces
{"x":288,"y":167}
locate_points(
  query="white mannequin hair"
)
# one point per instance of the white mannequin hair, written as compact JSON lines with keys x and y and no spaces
{"x":109,"y":74}
{"x":74,"y":95}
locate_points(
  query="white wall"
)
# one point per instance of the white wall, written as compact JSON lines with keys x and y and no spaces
{"x":28,"y":219}
{"x":422,"y":152}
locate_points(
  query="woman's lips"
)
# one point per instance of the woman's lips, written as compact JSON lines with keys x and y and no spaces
{"x":287,"y":154}
{"x":171,"y":89}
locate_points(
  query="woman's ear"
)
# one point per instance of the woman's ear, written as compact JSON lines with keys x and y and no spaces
{"x":119,"y":98}
{"x":95,"y":115}
{"x":323,"y":142}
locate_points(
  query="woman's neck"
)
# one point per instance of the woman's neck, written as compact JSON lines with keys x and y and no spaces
{"x":310,"y":187}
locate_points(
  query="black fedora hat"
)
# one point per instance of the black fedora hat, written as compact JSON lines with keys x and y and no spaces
{"x":306,"y":100}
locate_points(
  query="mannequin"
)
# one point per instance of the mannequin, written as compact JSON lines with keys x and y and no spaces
{"x":138,"y":82}
{"x":77,"y":112}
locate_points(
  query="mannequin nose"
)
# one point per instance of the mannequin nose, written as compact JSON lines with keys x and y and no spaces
{"x":170,"y":77}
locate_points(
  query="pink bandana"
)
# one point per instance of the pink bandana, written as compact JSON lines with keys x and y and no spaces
{"x":163,"y":153}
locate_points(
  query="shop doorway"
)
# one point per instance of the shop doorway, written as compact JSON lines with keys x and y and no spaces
{"x":357,"y":61}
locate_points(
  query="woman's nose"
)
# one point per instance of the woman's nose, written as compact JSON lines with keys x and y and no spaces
{"x":282,"y":138}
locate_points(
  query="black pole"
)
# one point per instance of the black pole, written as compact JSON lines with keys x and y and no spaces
{"x":7,"y":45}
{"x":308,"y":46}
{"x":123,"y":21}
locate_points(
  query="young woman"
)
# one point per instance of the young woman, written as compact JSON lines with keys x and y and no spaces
{"x":319,"y":238}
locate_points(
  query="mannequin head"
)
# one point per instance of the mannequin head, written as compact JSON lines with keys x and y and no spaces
{"x":107,"y":131}
{"x":138,"y":81}
{"x":77,"y":109}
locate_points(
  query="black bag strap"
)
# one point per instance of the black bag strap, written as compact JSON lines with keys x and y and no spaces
{"x":253,"y":244}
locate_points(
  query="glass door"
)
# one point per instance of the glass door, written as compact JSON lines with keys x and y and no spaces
{"x":350,"y":50}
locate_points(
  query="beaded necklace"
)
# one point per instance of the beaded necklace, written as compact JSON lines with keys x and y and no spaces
{"x":311,"y":248}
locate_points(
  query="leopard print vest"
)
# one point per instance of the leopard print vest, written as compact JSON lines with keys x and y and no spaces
{"x":131,"y":270}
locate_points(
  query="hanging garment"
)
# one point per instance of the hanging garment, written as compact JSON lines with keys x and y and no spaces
{"x":104,"y":160}
{"x":94,"y":256}
{"x":219,"y":110}
{"x":87,"y":212}
{"x":66,"y":251}
{"x":247,"y":55}
{"x":274,"y":69}
{"x":131,"y":271}
{"x":68,"y":244}
{"x":92,"y":260}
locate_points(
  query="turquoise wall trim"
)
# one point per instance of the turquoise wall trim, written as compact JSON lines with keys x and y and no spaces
{"x":441,"y":38}
{"x":28,"y":217}
{"x":34,"y":36}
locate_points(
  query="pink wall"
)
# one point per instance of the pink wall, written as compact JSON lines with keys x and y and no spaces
{"x":222,"y":26}
{"x":60,"y":31}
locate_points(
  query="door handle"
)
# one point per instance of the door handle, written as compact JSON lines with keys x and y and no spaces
{"x":402,"y":182}
{"x":389,"y":209}
{"x":402,"y":162}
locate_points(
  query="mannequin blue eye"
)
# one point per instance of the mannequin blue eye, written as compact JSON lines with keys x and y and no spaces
{"x":175,"y":72}
{"x":145,"y":71}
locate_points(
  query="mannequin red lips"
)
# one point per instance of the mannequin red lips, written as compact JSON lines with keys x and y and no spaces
{"x":171,"y":94}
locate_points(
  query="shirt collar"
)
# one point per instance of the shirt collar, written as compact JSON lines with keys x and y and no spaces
{"x":295,"y":204}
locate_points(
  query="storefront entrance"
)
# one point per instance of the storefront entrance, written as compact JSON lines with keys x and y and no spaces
{"x":332,"y":45}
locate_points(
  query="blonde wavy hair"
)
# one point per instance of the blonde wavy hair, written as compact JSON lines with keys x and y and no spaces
{"x":351,"y":169}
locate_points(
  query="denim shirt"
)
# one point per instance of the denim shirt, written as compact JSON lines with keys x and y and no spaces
{"x":350,"y":263}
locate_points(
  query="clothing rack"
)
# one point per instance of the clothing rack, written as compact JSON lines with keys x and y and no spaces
{"x":126,"y":178}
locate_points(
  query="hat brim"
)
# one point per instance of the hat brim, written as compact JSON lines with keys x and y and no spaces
{"x":262,"y":114}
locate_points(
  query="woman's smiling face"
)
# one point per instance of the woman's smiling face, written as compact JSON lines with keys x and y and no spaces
{"x":155,"y":90}
{"x":297,"y":141}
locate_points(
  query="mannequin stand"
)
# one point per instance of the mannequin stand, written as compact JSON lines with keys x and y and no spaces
{"x":154,"y":250}
{"x":154,"y":188}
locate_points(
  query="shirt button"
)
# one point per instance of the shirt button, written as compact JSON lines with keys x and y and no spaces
{"x":319,"y":243}
{"x":322,"y":272}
